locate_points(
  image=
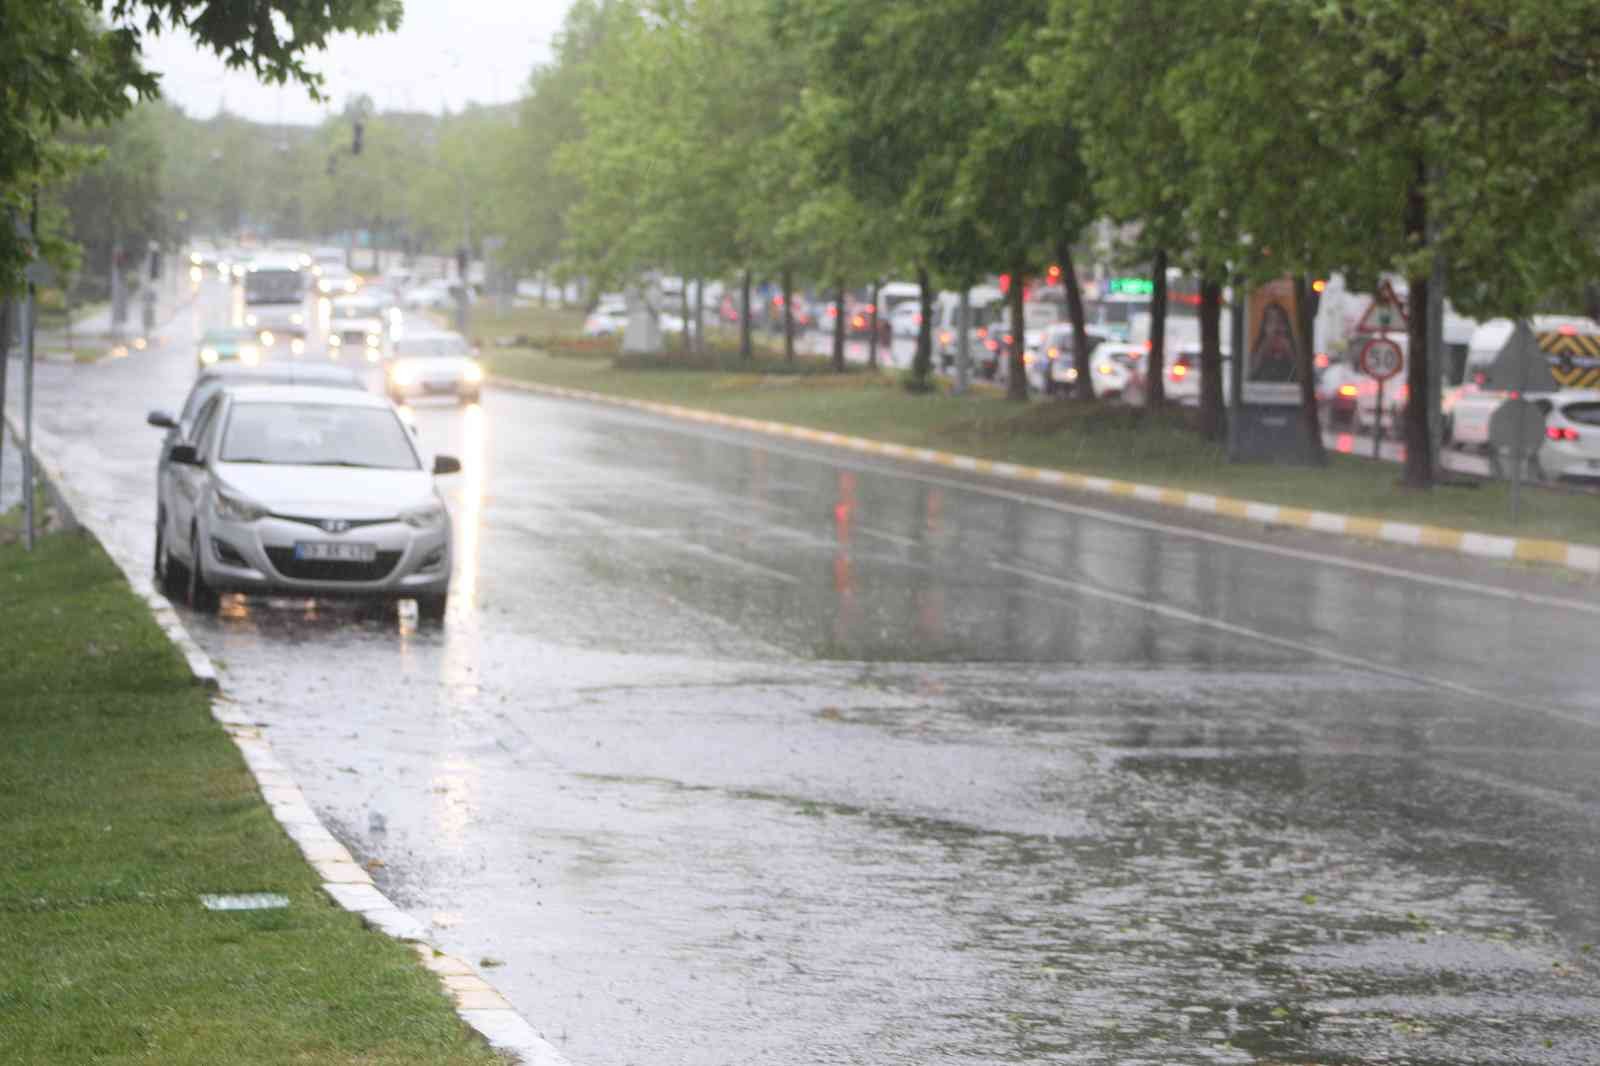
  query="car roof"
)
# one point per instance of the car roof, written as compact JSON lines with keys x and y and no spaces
{"x":306,"y":394}
{"x":282,"y":373}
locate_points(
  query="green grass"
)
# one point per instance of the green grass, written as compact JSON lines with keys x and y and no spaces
{"x":1108,"y":441}
{"x":124,"y":801}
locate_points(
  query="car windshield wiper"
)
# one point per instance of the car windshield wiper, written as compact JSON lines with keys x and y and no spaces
{"x":346,"y":462}
{"x":250,"y":459}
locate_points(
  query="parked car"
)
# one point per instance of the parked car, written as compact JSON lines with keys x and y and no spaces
{"x":434,"y":363}
{"x":1058,"y":370}
{"x":1338,"y":390}
{"x":310,"y":491}
{"x":906,"y":320}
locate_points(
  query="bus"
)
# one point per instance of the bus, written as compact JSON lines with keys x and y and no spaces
{"x":274,"y":301}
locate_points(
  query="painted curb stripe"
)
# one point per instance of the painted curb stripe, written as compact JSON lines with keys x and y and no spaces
{"x":1581,"y":557}
{"x":477,"y":1003}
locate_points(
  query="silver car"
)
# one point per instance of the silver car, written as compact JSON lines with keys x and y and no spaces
{"x":434,"y":363}
{"x":308,"y":491}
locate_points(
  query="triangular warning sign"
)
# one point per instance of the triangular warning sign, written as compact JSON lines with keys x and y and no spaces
{"x":1385,"y":314}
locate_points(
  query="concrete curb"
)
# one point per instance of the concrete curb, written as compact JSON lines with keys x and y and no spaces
{"x":1582,"y":558}
{"x":476,"y":1002}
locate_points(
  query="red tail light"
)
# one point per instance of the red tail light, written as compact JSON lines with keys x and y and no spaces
{"x":992,"y":344}
{"x":1561,"y":433}
{"x":1008,"y":338}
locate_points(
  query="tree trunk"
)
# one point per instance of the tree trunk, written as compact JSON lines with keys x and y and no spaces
{"x":1081,"y":356}
{"x":872,"y":326}
{"x":745,"y":349}
{"x":1017,"y":383}
{"x":688,"y":323}
{"x":1155,"y":386}
{"x":1419,"y":442}
{"x":1305,"y":300}
{"x":922,"y":362}
{"x":699,"y":315}
{"x":1212,"y":418}
{"x":788,"y":316}
{"x":838,"y":327}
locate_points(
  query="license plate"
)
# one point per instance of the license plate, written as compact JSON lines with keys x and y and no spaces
{"x":335,"y":551}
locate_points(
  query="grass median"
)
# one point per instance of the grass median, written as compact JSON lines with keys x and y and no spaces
{"x":1104,"y":440}
{"x":124,"y":802}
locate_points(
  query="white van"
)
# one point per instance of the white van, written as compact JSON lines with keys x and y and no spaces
{"x":1469,"y":407}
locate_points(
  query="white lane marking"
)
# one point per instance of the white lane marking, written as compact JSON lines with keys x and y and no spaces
{"x":1353,"y":661}
{"x":1266,"y":513}
{"x":903,"y":542}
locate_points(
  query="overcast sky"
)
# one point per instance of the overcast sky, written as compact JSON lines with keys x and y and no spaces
{"x":446,"y":53}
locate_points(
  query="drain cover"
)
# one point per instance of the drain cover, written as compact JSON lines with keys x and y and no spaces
{"x":259,"y":901}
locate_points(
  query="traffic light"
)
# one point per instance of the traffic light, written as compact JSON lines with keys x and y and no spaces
{"x":355,"y":142}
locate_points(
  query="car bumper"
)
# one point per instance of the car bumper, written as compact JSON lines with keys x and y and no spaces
{"x":426,"y":387}
{"x":259,"y":557}
{"x":1558,"y":460}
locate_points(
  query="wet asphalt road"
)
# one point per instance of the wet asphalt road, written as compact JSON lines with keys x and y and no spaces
{"x":732,"y":752}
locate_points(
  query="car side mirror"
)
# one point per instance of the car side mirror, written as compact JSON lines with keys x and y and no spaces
{"x":161,"y":420}
{"x":446,"y":464}
{"x":184,"y":454}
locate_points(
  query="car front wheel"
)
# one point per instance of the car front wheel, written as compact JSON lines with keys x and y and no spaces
{"x":432,"y":608}
{"x":202,"y":597}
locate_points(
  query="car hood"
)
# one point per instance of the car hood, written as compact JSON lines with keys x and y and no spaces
{"x":436,"y":366}
{"x":328,"y":491}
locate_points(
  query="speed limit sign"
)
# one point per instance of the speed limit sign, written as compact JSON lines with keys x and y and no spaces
{"x":1381,"y":358}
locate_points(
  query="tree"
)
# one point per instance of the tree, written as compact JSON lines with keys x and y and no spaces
{"x":63,"y":64}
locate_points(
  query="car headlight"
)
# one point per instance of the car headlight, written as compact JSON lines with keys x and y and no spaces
{"x":431,"y":516}
{"x":373,"y":340}
{"x":1072,"y":373}
{"x":194,"y":257}
{"x":249,"y":355}
{"x":350,"y":285}
{"x":267,"y":338}
{"x":473,"y":373}
{"x":235,"y":509}
{"x":324,"y":286}
{"x":334,"y":340}
{"x":1106,"y":369}
{"x":297,"y":346}
{"x":297,"y":318}
{"x":208,"y":355}
{"x":403,"y":375}
{"x":251,"y":320}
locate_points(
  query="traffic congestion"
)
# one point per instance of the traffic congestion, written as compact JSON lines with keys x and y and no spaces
{"x":292,"y":466}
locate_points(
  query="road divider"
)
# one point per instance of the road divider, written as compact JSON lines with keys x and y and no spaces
{"x":1582,"y":558}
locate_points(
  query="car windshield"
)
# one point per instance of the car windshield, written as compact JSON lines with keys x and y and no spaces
{"x":317,"y":434}
{"x":430,"y":348}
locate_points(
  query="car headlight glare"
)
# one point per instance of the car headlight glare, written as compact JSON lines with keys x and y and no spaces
{"x":234,"y":509}
{"x":251,"y":320}
{"x":249,"y":355}
{"x":403,"y":375}
{"x":334,"y":340}
{"x":373,"y":340}
{"x":208,"y":355}
{"x":267,"y":338}
{"x":297,"y":318}
{"x":473,"y":373}
{"x":430,"y":517}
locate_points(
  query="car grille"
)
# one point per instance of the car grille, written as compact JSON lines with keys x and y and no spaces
{"x":285,"y":563}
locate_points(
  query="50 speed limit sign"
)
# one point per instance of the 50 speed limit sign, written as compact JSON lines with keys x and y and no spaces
{"x":1381,"y":358}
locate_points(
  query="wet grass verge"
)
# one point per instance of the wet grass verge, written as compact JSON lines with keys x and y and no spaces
{"x":124,"y":802}
{"x":1105,"y":440}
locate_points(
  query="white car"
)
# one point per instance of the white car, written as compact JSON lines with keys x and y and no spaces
{"x":434,"y":363}
{"x":1571,"y":445}
{"x":356,"y":338}
{"x":1183,"y":374}
{"x":307,"y":491}
{"x":906,"y":320}
{"x":608,"y":319}
{"x":335,"y":280}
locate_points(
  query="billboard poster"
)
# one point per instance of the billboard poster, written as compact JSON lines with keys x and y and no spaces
{"x":1272,"y":363}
